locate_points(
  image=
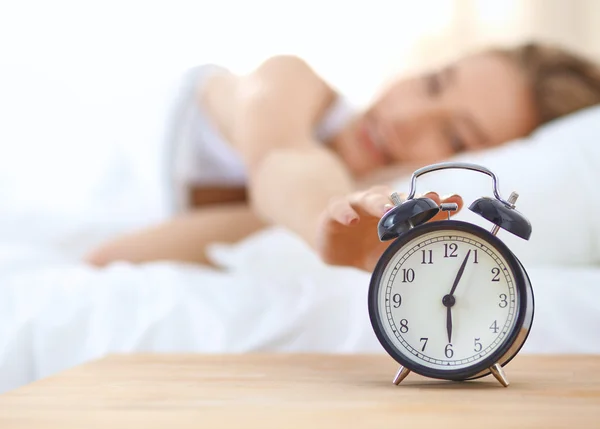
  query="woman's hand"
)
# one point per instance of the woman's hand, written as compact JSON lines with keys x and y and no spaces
{"x":347,"y":230}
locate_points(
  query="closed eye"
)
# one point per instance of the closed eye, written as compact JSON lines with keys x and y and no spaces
{"x":455,"y":140}
{"x":458,"y":144}
{"x":433,"y":84}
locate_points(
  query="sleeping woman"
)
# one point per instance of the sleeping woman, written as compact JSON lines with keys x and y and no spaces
{"x":279,"y":146}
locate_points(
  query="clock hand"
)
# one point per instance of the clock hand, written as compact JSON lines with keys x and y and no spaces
{"x":449,"y":299}
{"x":449,"y":323}
{"x":460,"y":273}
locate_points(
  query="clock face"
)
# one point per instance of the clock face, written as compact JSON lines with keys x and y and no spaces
{"x":447,"y":299}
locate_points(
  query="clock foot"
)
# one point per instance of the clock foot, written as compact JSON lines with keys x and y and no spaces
{"x":498,"y":372}
{"x":401,"y":375}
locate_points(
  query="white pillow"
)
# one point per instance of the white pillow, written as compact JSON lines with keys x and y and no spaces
{"x":555,"y":171}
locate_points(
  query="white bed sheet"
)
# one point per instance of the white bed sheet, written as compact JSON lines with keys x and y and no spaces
{"x":276,"y":296}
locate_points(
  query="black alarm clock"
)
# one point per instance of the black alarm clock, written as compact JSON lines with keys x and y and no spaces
{"x":448,"y":299}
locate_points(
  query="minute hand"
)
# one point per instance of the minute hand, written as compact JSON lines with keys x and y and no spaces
{"x":460,"y":273}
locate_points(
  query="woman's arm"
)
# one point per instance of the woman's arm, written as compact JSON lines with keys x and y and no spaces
{"x":297,"y":182}
{"x":278,"y":106}
{"x":292,"y":177}
{"x":270,"y":112}
{"x":293,"y":187}
{"x":183,"y":238}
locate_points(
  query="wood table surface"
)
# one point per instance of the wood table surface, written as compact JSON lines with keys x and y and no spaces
{"x":302,"y":391}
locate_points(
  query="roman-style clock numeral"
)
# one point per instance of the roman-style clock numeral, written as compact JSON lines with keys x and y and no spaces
{"x":427,"y":257}
{"x":503,"y":300}
{"x":450,"y":250}
{"x":408,"y":275}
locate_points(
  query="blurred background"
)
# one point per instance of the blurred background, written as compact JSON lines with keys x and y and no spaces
{"x":85,"y":85}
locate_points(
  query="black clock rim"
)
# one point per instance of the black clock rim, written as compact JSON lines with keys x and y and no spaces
{"x":451,"y":374}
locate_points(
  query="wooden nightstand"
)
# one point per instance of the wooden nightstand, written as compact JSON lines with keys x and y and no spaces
{"x":302,"y":391}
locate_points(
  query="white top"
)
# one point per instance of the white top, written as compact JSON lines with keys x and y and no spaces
{"x":199,"y":154}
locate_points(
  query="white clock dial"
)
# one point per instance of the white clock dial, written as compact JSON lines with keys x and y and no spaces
{"x":432,"y":328}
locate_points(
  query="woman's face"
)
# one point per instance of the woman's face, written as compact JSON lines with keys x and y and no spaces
{"x":478,"y":102}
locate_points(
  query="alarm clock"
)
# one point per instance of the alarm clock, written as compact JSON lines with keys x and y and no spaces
{"x":448,"y":299}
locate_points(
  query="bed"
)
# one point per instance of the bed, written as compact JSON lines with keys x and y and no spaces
{"x":274,"y":294}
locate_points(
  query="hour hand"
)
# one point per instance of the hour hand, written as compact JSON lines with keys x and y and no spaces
{"x":461,"y":270}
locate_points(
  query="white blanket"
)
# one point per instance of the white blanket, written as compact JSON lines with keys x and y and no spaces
{"x":276,"y":296}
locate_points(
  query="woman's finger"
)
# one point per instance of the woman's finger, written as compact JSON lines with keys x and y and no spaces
{"x":341,"y":211}
{"x":434,"y":196}
{"x":375,"y":202}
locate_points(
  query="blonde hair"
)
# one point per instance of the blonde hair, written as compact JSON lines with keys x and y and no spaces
{"x":562,"y":82}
